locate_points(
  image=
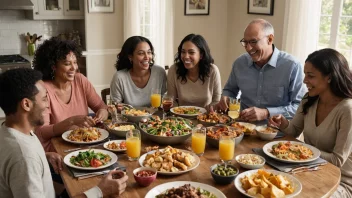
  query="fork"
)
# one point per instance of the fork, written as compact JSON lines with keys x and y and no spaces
{"x":306,"y":170}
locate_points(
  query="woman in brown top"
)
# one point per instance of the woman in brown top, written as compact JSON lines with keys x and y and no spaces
{"x":325,"y":113}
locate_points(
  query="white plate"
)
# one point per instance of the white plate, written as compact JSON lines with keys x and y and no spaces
{"x":104,"y":135}
{"x":201,"y":110}
{"x":195,"y":164}
{"x":267,"y":148}
{"x":295,"y":183}
{"x":117,"y":142}
{"x":75,"y":153}
{"x":163,"y":187}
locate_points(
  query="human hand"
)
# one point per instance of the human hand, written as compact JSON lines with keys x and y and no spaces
{"x":254,"y":114}
{"x":101,"y":115}
{"x":55,"y":160}
{"x":278,"y":121}
{"x":114,"y":183}
{"x":222,"y":104}
{"x":82,"y":121}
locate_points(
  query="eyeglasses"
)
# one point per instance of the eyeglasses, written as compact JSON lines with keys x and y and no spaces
{"x":252,"y":43}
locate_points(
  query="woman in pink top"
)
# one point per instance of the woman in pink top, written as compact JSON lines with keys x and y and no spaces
{"x":69,"y":92}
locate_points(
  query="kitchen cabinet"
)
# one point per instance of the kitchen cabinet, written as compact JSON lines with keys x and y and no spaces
{"x":57,"y":9}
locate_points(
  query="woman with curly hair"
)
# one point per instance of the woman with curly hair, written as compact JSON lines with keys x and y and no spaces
{"x":69,"y":92}
{"x":194,"y":79}
{"x":136,"y":74}
{"x":325,"y":113}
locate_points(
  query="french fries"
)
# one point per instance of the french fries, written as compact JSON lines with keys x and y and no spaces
{"x":266,"y":185}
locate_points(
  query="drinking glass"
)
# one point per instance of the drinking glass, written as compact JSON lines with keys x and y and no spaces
{"x":133,"y":144}
{"x":155,"y":98}
{"x":234,"y":108}
{"x":226,"y":148}
{"x":167,"y":103}
{"x":198,"y":140}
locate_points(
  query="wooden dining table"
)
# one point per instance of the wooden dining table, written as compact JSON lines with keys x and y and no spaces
{"x":321,"y":183}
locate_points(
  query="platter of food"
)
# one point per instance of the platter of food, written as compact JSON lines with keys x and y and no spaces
{"x":247,"y":128}
{"x":214,"y":132}
{"x":213,"y":118}
{"x":85,"y":135}
{"x":171,"y":130}
{"x":90,"y":159}
{"x":170,"y":161}
{"x":136,"y":115}
{"x":187,"y":111}
{"x":267,"y":183}
{"x":115,"y":145}
{"x":120,"y":129}
{"x":291,"y":151}
{"x":187,"y":187}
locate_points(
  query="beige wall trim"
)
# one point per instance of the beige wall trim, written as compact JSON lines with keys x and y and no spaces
{"x":101,"y":52}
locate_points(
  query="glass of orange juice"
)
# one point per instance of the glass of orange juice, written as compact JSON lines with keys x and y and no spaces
{"x":198,"y":140}
{"x":133,"y":144}
{"x":234,"y":108}
{"x":155,"y":98}
{"x":226,"y":148}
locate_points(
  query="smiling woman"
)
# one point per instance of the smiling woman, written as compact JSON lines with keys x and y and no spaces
{"x":69,"y":93}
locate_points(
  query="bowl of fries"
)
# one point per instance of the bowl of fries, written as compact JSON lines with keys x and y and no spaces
{"x":214,"y":132}
{"x":266,"y":133}
{"x":136,"y":115}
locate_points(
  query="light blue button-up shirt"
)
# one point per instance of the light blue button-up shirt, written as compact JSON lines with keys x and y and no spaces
{"x":277,"y":86}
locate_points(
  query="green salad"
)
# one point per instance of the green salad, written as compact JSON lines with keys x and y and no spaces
{"x":187,"y":191}
{"x":90,"y":159}
{"x":169,"y":127}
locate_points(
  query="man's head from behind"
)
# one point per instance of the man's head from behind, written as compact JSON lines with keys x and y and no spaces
{"x":258,"y":39}
{"x":22,"y":91}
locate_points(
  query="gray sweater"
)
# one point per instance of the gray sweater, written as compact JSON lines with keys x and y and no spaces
{"x":123,"y":89}
{"x":24,"y":169}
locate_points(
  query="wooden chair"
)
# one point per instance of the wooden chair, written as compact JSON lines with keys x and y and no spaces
{"x":105,"y":92}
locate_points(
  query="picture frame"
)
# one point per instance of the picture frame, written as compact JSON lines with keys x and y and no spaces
{"x":197,"y":7}
{"x":263,"y":7}
{"x":100,"y":6}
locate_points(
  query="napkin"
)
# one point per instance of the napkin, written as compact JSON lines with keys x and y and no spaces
{"x":287,"y":167}
{"x":279,"y":134}
{"x":83,"y":174}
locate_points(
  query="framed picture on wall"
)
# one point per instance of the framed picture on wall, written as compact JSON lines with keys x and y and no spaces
{"x":265,"y":7}
{"x":197,"y":7}
{"x":100,"y":5}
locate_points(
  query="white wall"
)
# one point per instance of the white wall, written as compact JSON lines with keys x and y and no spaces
{"x":13,"y":24}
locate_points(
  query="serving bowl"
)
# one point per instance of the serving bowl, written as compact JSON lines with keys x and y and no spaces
{"x":246,"y":128}
{"x":214,"y":141}
{"x":144,"y":180}
{"x":222,"y":179}
{"x":119,"y":131}
{"x":266,"y":133}
{"x":165,"y":139}
{"x":213,"y":118}
{"x":250,"y":161}
{"x":137,"y":118}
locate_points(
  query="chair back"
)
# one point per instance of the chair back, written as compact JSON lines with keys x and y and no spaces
{"x":105,"y":92}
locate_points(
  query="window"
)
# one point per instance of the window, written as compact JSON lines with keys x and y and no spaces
{"x":336,"y":27}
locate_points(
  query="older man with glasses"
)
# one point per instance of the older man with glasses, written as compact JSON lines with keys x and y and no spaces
{"x":270,"y":80}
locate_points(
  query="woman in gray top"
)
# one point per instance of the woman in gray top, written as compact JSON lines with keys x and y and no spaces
{"x":136,"y":74}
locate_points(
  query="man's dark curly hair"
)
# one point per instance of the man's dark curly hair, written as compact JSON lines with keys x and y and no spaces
{"x":15,"y":85}
{"x":123,"y":62}
{"x":204,"y":63}
{"x":331,"y":63}
{"x":50,"y":52}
